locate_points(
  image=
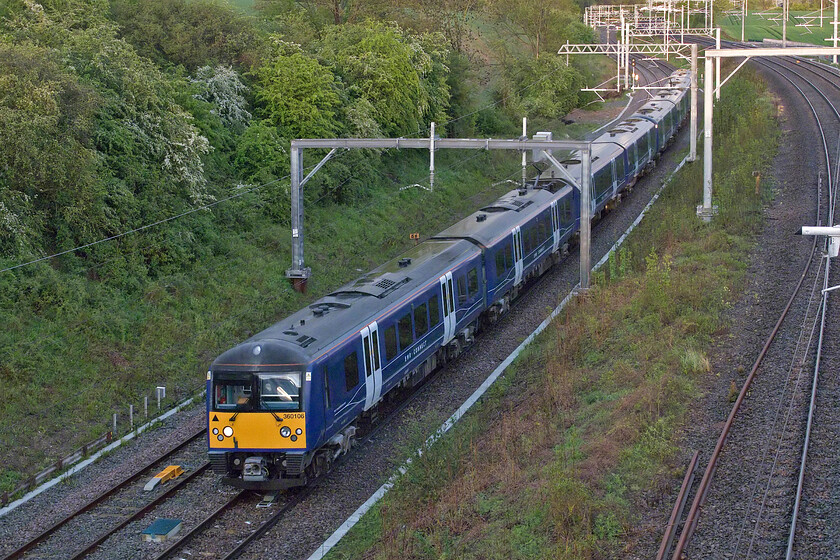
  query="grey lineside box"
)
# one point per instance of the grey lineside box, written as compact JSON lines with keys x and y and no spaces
{"x":161,"y":530}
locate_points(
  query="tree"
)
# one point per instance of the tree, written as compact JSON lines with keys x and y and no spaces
{"x":402,"y":77}
{"x":193,"y":33}
{"x":47,"y":169}
{"x":222,"y":87}
{"x":296,"y":93}
{"x":537,"y":25}
{"x":545,"y":87}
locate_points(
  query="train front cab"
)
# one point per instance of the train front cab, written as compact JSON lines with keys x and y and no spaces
{"x":257,"y":418}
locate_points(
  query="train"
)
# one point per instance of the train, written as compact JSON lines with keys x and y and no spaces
{"x":283,"y":405}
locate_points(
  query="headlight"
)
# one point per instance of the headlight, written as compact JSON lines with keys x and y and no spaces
{"x":215,"y":431}
{"x":298,"y":431}
{"x":294,"y":438}
{"x":228,"y":431}
{"x":221,"y":438}
{"x":285,"y":431}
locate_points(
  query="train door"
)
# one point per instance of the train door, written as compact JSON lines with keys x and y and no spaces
{"x":373,"y":364}
{"x":448,"y":297}
{"x":555,"y":226}
{"x":517,"y":254}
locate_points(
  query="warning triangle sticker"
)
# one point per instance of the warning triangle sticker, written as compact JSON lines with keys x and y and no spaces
{"x":215,"y":418}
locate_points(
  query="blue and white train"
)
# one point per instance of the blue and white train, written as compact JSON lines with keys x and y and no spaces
{"x":285,"y":403}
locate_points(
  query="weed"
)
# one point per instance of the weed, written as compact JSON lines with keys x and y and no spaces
{"x":693,"y":361}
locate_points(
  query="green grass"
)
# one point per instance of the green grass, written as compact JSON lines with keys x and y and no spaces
{"x":559,"y":458}
{"x":758,"y":28}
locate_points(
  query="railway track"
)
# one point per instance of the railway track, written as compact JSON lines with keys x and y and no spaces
{"x":102,"y":499}
{"x":233,"y":508}
{"x":764,"y":525}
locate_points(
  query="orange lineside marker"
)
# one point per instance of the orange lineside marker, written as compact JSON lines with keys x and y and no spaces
{"x":170,"y":472}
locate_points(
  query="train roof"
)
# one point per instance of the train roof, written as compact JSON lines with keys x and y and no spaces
{"x":306,"y":334}
{"x":486,"y":225}
{"x":627,"y":131}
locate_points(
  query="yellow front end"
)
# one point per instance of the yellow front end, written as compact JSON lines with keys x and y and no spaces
{"x":257,"y":431}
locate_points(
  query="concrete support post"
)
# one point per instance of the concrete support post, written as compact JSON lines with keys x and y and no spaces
{"x":524,"y":158}
{"x":712,"y":14}
{"x":744,"y":18}
{"x":784,"y":23}
{"x":585,"y":216}
{"x":432,"y":158}
{"x":617,"y":58}
{"x":621,"y":36}
{"x":692,"y":155}
{"x":717,"y":64}
{"x":836,"y":22}
{"x":626,"y":35}
{"x":706,"y":211}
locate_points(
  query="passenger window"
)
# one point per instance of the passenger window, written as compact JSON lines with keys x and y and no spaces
{"x":406,"y":337}
{"x":500,"y":264}
{"x":351,"y":371}
{"x":421,"y":320}
{"x":434,"y":311}
{"x":508,"y":257}
{"x":462,"y":290}
{"x":472,"y":281}
{"x":391,"y":343}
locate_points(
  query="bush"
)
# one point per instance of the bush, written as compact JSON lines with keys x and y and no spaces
{"x":297,"y":94}
{"x":543,"y":87}
{"x":193,"y":33}
{"x":402,"y":77}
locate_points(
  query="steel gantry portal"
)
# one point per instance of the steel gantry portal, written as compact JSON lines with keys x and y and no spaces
{"x":706,"y":211}
{"x":540,"y":144}
{"x":626,"y":49}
